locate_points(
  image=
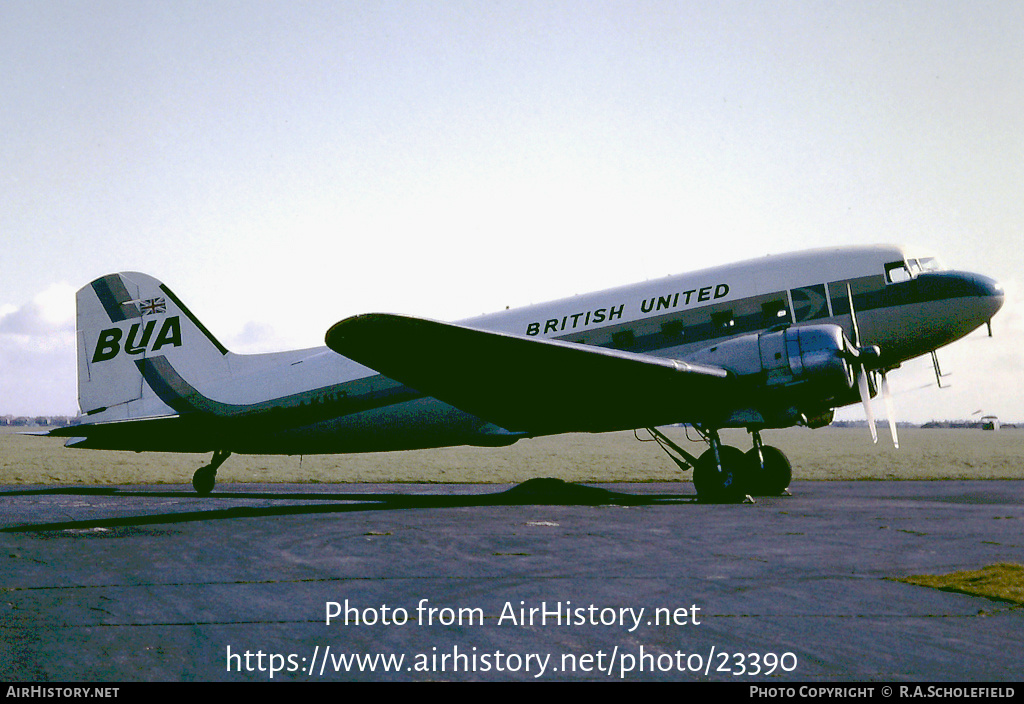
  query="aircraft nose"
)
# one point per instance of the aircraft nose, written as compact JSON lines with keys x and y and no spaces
{"x":985,"y":294}
{"x":960,"y":284}
{"x":990,"y":291}
{"x":980,"y":297}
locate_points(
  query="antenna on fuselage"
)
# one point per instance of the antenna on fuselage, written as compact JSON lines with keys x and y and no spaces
{"x":939,"y":376}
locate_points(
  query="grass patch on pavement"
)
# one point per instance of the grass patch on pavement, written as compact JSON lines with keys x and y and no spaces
{"x":1002,"y":582}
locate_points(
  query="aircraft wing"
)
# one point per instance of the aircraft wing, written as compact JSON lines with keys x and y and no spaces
{"x":532,"y":385}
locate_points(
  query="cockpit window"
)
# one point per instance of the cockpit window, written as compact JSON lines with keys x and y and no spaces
{"x":922,"y":264}
{"x":896,"y":272}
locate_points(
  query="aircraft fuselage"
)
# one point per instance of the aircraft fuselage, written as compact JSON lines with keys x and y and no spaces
{"x":317,"y":401}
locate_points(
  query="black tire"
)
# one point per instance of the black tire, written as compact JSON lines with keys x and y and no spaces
{"x":721,"y":487}
{"x":204,"y":479}
{"x":774,"y":477}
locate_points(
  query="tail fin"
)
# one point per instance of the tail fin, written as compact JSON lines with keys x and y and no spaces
{"x":129,"y":323}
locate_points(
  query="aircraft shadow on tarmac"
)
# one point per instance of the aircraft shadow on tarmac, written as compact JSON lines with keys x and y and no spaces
{"x":539,"y":492}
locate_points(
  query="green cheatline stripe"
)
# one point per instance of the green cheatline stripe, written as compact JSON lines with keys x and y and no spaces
{"x":113,"y":295}
{"x":195,"y":321}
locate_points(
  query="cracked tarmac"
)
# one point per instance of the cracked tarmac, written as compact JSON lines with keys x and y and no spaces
{"x":156,"y":583}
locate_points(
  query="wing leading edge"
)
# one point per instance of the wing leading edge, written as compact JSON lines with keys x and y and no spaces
{"x":531,"y":385}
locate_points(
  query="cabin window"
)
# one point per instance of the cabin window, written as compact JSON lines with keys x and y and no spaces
{"x":774,"y":312}
{"x":623,"y":340}
{"x":867,"y":294}
{"x":673,"y":328}
{"x":722,"y":322}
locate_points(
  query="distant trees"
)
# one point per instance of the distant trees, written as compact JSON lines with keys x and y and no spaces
{"x":978,"y":424}
{"x":44,"y":421}
{"x":983,"y":424}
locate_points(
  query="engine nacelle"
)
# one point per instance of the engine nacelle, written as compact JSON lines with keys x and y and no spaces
{"x":817,"y":354}
{"x":805,"y":368}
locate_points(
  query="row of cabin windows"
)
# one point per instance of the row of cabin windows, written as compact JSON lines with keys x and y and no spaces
{"x":758,"y":313}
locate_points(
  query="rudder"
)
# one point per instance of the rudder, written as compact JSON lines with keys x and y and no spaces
{"x":126,"y":321}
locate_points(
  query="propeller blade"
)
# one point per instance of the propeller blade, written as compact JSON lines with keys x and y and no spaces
{"x":865,"y":397}
{"x":887,"y":397}
{"x":853,"y":317}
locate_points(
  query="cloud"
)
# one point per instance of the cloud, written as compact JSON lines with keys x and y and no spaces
{"x":37,"y":354}
{"x":255,"y":338}
{"x":51,"y":312}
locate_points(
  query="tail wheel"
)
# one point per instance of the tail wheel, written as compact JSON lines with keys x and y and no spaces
{"x":205,"y":478}
{"x":771,"y":473}
{"x":721,"y":485}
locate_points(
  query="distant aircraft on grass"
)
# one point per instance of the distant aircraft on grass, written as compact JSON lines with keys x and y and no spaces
{"x":766,"y":343}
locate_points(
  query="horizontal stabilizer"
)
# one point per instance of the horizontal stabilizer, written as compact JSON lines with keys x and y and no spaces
{"x":530,"y":385}
{"x":159,"y":434}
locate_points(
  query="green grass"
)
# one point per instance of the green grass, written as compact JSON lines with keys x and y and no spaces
{"x":1001,"y":582}
{"x":827,"y":453}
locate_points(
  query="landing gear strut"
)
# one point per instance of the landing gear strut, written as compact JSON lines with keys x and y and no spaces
{"x":205,"y":478}
{"x":721,"y":474}
{"x":771,"y":471}
{"x":725,"y":474}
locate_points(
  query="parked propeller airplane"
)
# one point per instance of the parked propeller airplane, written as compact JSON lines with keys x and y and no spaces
{"x":766,"y":343}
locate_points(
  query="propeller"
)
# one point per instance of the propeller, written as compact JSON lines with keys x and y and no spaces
{"x":887,"y":398}
{"x":862,"y":356}
{"x":865,"y":398}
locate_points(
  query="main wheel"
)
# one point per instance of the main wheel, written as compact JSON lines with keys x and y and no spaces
{"x":725,"y":486}
{"x":773,"y":478}
{"x":204,"y":479}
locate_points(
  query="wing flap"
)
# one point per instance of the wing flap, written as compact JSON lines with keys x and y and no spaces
{"x":531,"y":385}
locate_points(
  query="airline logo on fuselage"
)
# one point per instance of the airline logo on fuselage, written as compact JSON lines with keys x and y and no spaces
{"x":649,"y":305}
{"x":108,"y":345}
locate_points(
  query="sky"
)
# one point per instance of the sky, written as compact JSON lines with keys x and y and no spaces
{"x":284,"y":165}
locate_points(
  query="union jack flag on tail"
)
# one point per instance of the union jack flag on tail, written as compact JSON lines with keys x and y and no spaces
{"x":152,"y":306}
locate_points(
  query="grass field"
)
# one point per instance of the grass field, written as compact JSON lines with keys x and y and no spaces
{"x":824,"y":454}
{"x":999,"y":582}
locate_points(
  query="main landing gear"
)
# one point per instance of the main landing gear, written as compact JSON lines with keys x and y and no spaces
{"x":772,"y":471}
{"x":205,"y":478}
{"x":725,"y":474}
